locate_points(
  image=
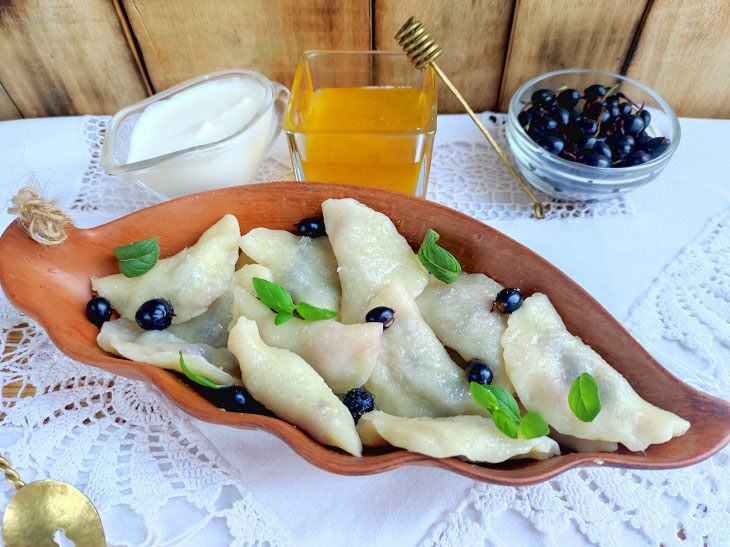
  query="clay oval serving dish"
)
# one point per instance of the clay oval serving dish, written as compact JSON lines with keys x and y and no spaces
{"x":51,"y":285}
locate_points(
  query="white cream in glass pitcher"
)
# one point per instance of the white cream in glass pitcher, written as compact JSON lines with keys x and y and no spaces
{"x":206,"y":133}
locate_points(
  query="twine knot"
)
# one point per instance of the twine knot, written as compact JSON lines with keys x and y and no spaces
{"x":41,"y":218}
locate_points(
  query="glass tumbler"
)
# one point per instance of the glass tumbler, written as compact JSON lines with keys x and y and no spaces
{"x":362,"y":117}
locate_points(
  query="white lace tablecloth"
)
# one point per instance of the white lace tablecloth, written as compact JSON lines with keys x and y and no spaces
{"x":657,"y":259}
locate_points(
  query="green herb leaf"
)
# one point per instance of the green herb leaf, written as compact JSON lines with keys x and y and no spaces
{"x":197,"y":378}
{"x":506,"y":402}
{"x":505,"y":423}
{"x":505,"y":412}
{"x":483,"y":396}
{"x":137,"y":258}
{"x":282,"y":317}
{"x":312,"y":313}
{"x":277,"y":299}
{"x":274,"y":296}
{"x":533,"y":425}
{"x":584,"y":399}
{"x":437,"y":260}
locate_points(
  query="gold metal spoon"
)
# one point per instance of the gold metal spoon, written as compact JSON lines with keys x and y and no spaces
{"x":422,"y":50}
{"x":40,"y":509}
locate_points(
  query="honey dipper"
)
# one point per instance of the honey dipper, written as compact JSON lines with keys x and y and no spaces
{"x":422,"y":51}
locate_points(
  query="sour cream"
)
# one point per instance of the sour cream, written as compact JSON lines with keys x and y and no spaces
{"x":208,"y":112}
{"x":199,"y":115}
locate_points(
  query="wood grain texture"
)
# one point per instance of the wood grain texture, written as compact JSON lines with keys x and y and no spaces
{"x":8,"y":111}
{"x":472,"y":35}
{"x":184,"y":39}
{"x":683,"y":55}
{"x":51,"y":282}
{"x":66,"y":57}
{"x":555,"y":34}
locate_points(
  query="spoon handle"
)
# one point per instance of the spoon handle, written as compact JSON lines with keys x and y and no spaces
{"x":10,"y":474}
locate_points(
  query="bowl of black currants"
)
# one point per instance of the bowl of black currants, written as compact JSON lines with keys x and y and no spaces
{"x":586,"y":135}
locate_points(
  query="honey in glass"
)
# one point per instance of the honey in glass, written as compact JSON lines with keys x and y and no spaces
{"x":365,"y":118}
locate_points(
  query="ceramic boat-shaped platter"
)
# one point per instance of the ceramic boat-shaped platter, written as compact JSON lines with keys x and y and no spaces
{"x":51,"y":285}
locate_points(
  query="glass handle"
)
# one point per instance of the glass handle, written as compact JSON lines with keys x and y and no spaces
{"x":281,"y":99}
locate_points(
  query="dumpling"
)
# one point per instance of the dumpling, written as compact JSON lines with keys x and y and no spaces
{"x":304,"y":266}
{"x":543,"y":359}
{"x":210,"y":328}
{"x":162,"y":349}
{"x":245,"y":275}
{"x":191,"y":280}
{"x":414,"y":375}
{"x":473,"y":437}
{"x":370,"y":254}
{"x":459,"y":314}
{"x":289,"y":387}
{"x":344,"y":355}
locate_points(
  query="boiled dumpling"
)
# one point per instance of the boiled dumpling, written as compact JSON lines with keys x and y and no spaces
{"x":191,"y":280}
{"x":459,"y":314}
{"x":473,"y":437}
{"x":289,"y":387}
{"x":304,"y":266}
{"x":344,"y":355}
{"x":162,"y":349}
{"x":414,"y":375}
{"x":543,"y":359}
{"x":244,"y":276}
{"x":210,"y":328}
{"x":370,"y":254}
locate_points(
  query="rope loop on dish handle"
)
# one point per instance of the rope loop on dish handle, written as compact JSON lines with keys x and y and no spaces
{"x":40,"y":218}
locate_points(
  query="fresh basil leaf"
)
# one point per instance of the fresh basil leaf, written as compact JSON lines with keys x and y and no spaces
{"x":505,"y":423}
{"x":442,"y":259}
{"x":437,"y":260}
{"x":440,"y":274}
{"x":282,"y":317}
{"x":197,"y":378}
{"x":506,"y":402}
{"x":483,"y":396}
{"x":584,"y":398}
{"x":274,"y":296}
{"x":312,"y":313}
{"x":137,"y":258}
{"x":533,"y":425}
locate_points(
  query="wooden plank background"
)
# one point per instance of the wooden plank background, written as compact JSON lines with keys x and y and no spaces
{"x":552,"y":35}
{"x":66,"y":57}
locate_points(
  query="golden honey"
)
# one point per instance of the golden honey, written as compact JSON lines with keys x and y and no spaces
{"x":370,"y":135}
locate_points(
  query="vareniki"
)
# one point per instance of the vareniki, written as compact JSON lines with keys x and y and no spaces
{"x":543,"y":359}
{"x":348,"y":334}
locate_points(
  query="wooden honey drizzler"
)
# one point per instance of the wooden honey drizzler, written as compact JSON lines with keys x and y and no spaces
{"x":422,"y":51}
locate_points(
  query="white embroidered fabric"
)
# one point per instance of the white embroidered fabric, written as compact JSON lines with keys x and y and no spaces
{"x":689,"y":307}
{"x":143,"y":463}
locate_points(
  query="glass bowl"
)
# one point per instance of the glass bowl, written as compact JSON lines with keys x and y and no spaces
{"x":569,"y":180}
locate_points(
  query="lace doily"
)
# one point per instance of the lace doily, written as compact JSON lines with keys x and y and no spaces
{"x":468,"y":176}
{"x":141,"y":460}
